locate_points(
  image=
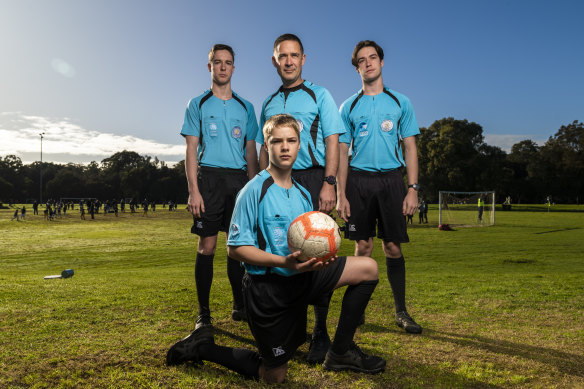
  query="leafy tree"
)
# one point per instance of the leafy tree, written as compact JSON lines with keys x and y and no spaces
{"x":449,"y":156}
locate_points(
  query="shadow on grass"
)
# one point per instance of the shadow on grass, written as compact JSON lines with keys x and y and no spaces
{"x":560,"y":230}
{"x":242,"y":339}
{"x":399,"y":373}
{"x":565,"y":362}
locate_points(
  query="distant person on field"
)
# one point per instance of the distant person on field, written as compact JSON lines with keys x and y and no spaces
{"x":371,"y":192}
{"x":35,"y":208}
{"x":481,"y":207}
{"x":23,"y":212}
{"x":15,"y":215}
{"x":423,"y":212}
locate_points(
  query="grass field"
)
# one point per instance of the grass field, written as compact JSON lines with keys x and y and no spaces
{"x":501,"y":306}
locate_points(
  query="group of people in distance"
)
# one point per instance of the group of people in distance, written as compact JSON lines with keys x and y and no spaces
{"x":303,"y":166}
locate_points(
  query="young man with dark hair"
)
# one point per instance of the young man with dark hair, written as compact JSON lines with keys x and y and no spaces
{"x":316,"y":167}
{"x":277,"y":287}
{"x":219,"y":128}
{"x":372,"y":192}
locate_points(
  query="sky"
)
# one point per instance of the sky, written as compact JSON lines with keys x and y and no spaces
{"x":98,"y":77}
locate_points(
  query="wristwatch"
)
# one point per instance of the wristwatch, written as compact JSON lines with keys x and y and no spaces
{"x":415,"y":186}
{"x":331,"y":180}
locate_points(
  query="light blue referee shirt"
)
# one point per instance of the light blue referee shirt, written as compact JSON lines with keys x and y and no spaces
{"x":263,"y":212}
{"x":375,"y":125}
{"x":315,"y":111}
{"x":223,"y":128}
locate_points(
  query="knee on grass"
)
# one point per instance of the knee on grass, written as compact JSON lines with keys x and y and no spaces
{"x":276,"y":375}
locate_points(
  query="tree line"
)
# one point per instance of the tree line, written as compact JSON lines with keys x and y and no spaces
{"x":452,"y":156}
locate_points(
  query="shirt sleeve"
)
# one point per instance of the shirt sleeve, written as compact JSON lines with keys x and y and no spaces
{"x":192,"y":122}
{"x":329,"y":115}
{"x":243,"y":226}
{"x":408,"y":123}
{"x":252,"y":123}
{"x":260,"y":136}
{"x":347,"y":137}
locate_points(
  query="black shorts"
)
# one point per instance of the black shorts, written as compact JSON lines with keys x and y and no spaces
{"x":312,"y":180}
{"x":218,"y":187}
{"x":277,"y":306}
{"x":376,"y":199}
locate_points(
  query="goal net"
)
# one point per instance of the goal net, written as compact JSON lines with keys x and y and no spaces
{"x":467,"y":209}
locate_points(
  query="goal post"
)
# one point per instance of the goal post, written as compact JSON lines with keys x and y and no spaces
{"x":466,"y":209}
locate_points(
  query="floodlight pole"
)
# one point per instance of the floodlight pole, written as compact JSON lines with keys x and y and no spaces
{"x":41,"y":169}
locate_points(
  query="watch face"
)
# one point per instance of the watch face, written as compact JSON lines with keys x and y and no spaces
{"x":331,"y":180}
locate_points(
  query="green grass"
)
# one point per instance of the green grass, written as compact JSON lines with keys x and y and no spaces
{"x":501,"y":306}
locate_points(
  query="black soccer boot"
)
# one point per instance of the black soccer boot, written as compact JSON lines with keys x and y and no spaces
{"x":187,"y":349}
{"x":354,"y":359}
{"x":319,"y":345}
{"x":203,"y":320}
{"x":405,"y":321}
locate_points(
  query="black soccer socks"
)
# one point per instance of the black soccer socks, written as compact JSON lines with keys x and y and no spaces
{"x":235,"y":273}
{"x":203,"y":280}
{"x":396,"y":274}
{"x":355,"y":301}
{"x":240,"y":360}
{"x":321,"y":309}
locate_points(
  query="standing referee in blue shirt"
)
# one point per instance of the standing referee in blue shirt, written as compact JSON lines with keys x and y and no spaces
{"x":220,"y":129}
{"x":315,"y":168}
{"x":371,"y":192}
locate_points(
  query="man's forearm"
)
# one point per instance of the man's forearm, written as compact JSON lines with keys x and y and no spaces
{"x":332,"y":155}
{"x":343,"y":169}
{"x":192,"y":166}
{"x":411,"y":159}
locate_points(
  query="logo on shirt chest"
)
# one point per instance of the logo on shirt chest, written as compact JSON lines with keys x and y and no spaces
{"x":213,"y":129}
{"x":363,"y":129}
{"x":300,"y":125}
{"x":386,"y":125}
{"x":279,"y":236}
{"x":236,"y":132}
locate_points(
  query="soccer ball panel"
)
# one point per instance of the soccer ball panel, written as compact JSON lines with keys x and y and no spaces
{"x":315,"y":234}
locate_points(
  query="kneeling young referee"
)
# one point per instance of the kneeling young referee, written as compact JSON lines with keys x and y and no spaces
{"x":277,"y":287}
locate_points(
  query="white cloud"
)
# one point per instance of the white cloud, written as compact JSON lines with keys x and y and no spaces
{"x":64,"y":141}
{"x":62,"y":67}
{"x":506,"y":141}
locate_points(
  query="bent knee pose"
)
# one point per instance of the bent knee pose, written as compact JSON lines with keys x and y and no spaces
{"x":278,"y":288}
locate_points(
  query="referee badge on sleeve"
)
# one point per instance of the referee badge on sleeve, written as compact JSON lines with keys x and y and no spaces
{"x":234,"y":230}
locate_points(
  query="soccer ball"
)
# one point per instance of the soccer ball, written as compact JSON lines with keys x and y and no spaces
{"x":315,"y":234}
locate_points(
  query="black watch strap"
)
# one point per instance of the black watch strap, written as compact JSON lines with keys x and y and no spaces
{"x":331,"y":180}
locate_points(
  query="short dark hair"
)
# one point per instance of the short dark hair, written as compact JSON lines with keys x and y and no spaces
{"x":288,"y":37}
{"x":220,"y":46}
{"x":362,"y":44}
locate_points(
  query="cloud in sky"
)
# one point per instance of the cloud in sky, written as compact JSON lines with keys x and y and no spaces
{"x":62,"y":67}
{"x":505,"y":142}
{"x":64,"y":141}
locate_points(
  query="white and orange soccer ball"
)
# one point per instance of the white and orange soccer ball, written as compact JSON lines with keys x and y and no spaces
{"x":315,"y":234}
